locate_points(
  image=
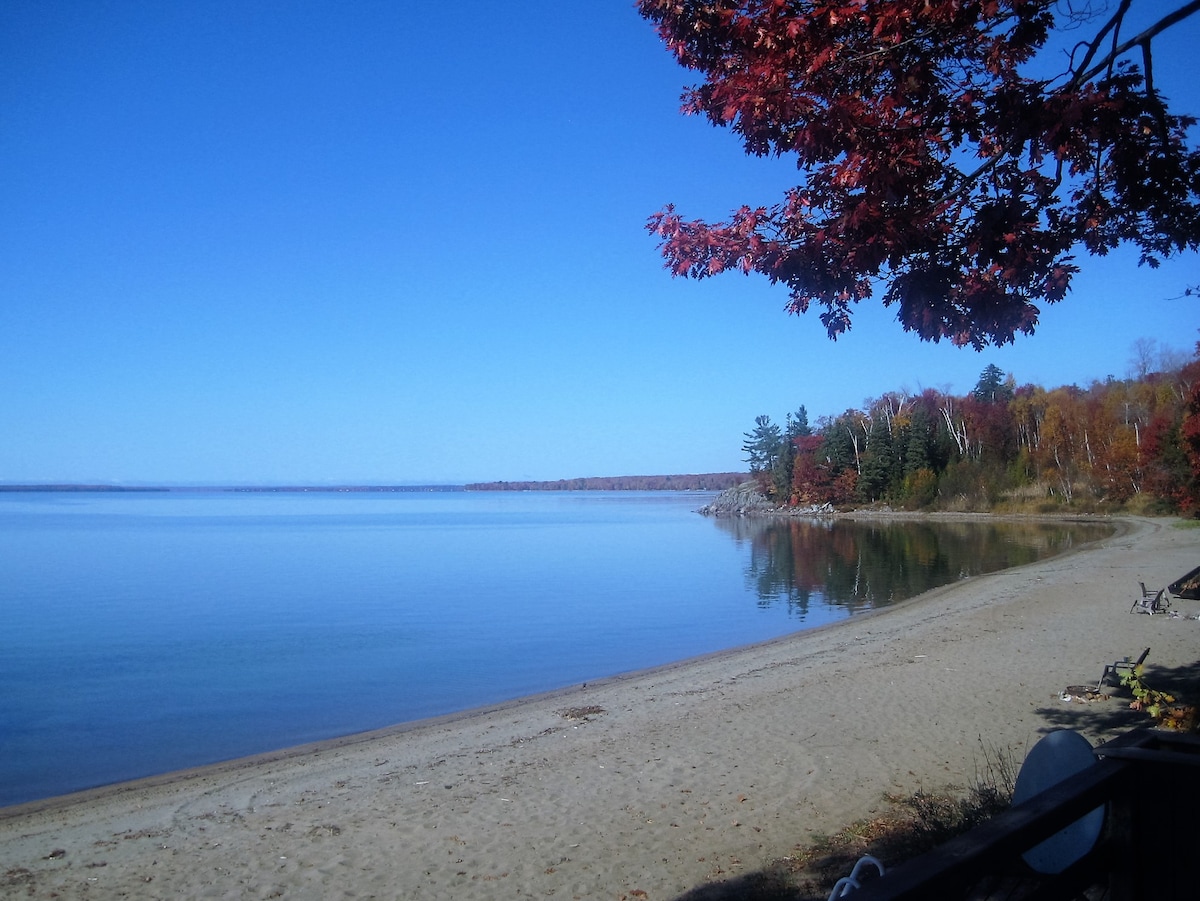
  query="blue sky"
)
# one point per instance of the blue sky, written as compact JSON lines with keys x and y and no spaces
{"x":328,"y":242}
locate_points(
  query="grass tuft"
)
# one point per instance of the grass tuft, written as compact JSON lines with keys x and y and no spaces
{"x":912,"y":825}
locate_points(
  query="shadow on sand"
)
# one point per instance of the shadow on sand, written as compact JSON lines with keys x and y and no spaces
{"x":763,"y":885}
{"x":1110,"y":717}
{"x":1114,"y":715}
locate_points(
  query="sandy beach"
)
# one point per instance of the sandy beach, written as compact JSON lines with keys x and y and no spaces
{"x":645,"y":786}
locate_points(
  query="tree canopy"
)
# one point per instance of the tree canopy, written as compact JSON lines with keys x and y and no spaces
{"x":938,"y":158}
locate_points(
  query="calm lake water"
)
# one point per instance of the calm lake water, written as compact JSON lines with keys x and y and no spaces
{"x":146,"y":632}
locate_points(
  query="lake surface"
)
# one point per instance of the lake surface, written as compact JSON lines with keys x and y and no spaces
{"x":146,"y":632}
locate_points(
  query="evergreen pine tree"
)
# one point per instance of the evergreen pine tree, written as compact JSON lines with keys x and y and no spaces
{"x":763,"y":445}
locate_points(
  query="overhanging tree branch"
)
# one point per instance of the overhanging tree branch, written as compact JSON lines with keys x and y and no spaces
{"x":883,"y":102}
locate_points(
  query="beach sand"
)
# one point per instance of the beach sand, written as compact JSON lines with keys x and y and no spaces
{"x":644,"y":786}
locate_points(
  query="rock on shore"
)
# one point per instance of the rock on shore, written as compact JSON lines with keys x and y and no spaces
{"x":746,"y":500}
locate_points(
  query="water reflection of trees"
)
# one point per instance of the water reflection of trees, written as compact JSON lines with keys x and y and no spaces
{"x":857,"y":565}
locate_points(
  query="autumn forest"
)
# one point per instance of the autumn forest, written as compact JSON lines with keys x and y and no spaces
{"x":1118,"y":444}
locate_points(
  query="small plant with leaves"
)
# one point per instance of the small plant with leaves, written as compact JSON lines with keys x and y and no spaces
{"x":1163,"y":707}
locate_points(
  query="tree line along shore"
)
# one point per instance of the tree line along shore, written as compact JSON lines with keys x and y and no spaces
{"x":1117,"y":445}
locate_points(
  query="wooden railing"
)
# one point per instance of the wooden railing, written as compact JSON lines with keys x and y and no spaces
{"x":1149,"y":782}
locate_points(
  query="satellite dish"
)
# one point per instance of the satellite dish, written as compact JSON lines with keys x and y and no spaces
{"x":1056,"y":757}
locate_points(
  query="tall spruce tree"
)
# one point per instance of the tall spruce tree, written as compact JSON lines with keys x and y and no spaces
{"x":878,"y":460}
{"x":991,"y":386}
{"x":797,"y":424}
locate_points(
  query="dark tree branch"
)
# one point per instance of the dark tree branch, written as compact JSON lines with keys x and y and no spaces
{"x":1113,"y":25}
{"x":1188,"y":9}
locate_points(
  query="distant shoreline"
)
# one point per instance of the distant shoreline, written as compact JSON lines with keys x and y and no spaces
{"x":687,"y":482}
{"x":126,"y":489}
{"x":713,"y":481}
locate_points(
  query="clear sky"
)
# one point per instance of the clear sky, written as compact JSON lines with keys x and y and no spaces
{"x":399,"y":242}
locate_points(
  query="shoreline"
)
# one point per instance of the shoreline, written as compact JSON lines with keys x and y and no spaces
{"x":232,"y":765}
{"x":655,"y":781}
{"x":226,"y":767}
